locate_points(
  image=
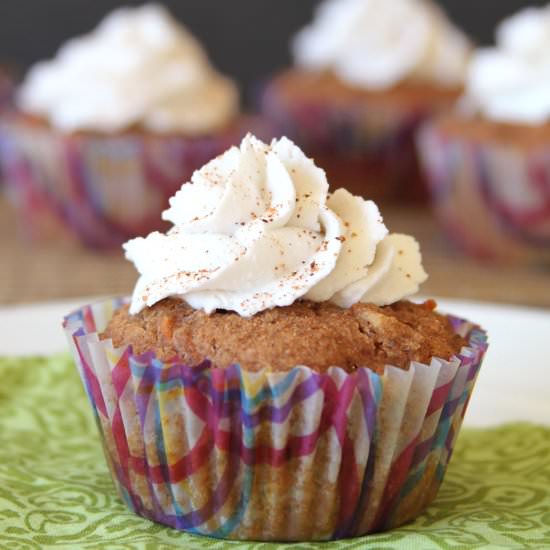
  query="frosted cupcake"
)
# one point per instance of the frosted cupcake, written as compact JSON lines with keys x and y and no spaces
{"x":366,"y":73}
{"x":487,"y":162}
{"x":106,"y":131}
{"x":268,"y":379}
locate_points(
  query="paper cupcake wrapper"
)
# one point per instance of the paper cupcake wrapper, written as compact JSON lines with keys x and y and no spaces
{"x":493,"y":200}
{"x":367,"y":148}
{"x":272,"y":456}
{"x":101,"y":189}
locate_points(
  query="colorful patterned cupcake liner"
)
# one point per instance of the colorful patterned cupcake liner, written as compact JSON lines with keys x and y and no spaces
{"x":101,"y":189}
{"x":368,"y":148}
{"x":492,"y":199}
{"x":272,"y":456}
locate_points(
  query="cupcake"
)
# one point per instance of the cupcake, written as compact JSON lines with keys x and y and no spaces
{"x":106,"y":131}
{"x":487,"y":161}
{"x":268,"y":379}
{"x":365,"y":74}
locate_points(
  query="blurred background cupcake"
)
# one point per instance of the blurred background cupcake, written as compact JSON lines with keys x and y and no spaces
{"x":488,"y":162}
{"x":106,"y":131}
{"x":366,"y":73}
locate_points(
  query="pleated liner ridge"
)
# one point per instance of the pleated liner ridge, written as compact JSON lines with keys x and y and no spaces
{"x":272,"y":456}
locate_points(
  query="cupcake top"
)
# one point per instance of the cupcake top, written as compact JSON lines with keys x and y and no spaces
{"x":256,"y":228}
{"x":139,"y":67}
{"x":511,"y":82}
{"x":376,"y":44}
{"x":319,"y":335}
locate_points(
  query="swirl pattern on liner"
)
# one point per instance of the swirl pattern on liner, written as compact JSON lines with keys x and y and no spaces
{"x":139,"y":67}
{"x":256,"y":228}
{"x":511,"y":82}
{"x":494,"y":494}
{"x":376,"y":44}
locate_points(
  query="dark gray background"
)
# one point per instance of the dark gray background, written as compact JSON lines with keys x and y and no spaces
{"x":247,"y":39}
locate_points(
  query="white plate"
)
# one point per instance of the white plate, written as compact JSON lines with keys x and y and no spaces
{"x":514,"y":383}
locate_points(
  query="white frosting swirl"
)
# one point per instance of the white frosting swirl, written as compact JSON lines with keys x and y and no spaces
{"x":376,"y":44}
{"x":511,"y":83}
{"x":255,"y":228}
{"x":139,"y":66}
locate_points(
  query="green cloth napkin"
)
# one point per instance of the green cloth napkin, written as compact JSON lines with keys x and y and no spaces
{"x":56,"y":492}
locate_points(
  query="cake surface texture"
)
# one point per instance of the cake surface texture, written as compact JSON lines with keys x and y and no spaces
{"x":317,"y":335}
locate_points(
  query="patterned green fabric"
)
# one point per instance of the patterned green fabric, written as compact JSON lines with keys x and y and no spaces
{"x":56,"y":492}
